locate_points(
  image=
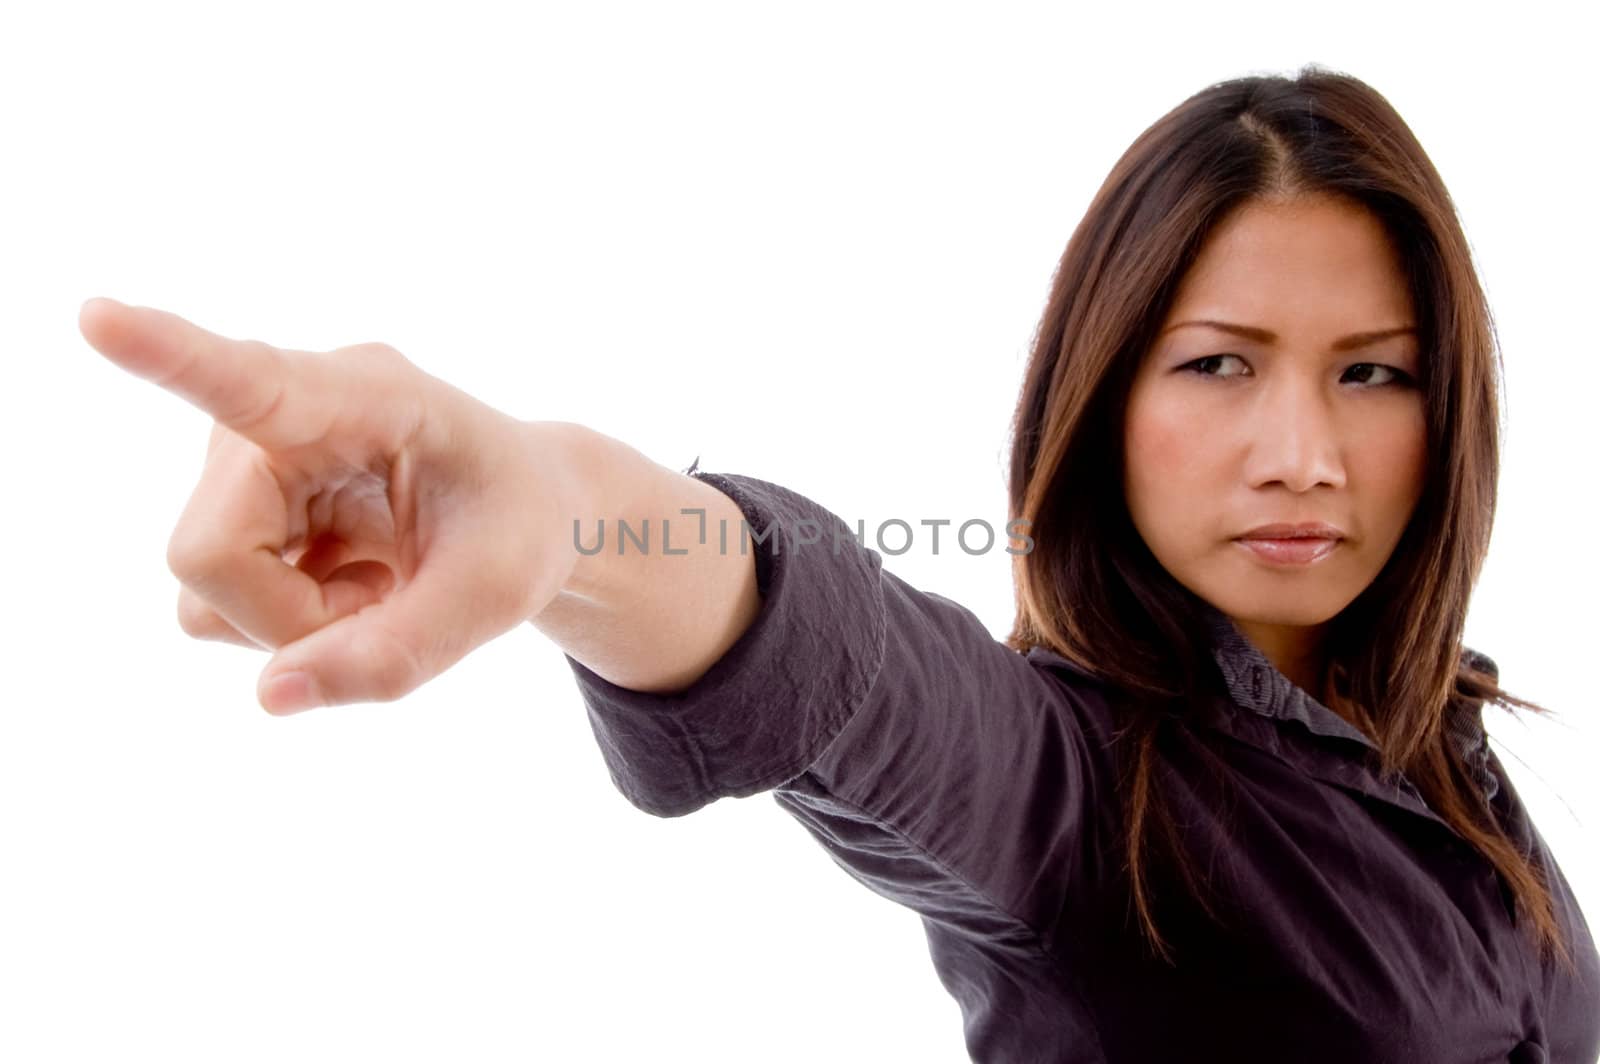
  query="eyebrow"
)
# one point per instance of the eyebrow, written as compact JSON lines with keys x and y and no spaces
{"x":1250,"y":332}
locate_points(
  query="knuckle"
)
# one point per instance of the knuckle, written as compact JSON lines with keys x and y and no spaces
{"x":193,"y":557}
{"x":247,"y":420}
{"x":195,"y":619}
{"x":391,"y":364}
{"x":380,"y":349}
{"x":373,"y":352}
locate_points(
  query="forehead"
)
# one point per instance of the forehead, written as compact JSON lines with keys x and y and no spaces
{"x":1320,"y":264}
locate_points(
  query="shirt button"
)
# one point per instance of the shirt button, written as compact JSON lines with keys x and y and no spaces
{"x":1529,"y":1053}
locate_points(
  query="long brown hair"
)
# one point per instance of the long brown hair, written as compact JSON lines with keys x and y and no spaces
{"x":1089,"y":581}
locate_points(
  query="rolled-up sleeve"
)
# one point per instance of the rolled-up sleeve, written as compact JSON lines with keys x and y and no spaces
{"x":778,"y":696}
{"x":940,"y":767}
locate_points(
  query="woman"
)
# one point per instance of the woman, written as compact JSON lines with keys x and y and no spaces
{"x":1223,"y":794}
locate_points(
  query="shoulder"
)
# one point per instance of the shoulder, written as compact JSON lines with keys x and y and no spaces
{"x":1045,"y":658}
{"x":1478,"y":661}
{"x":1081,"y":691}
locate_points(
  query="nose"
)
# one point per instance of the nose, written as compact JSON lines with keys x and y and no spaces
{"x":1295,"y":435}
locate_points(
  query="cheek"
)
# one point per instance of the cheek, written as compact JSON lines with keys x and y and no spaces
{"x":1163,"y":460}
{"x":1162,"y":439}
{"x":1394,"y":454}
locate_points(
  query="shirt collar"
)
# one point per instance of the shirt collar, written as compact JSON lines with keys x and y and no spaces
{"x":1255,"y":684}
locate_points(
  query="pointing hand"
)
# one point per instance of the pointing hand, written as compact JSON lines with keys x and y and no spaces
{"x":366,"y":522}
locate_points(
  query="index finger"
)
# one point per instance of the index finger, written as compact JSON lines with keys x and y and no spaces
{"x":259,"y":391}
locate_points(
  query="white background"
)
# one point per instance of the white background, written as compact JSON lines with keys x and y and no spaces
{"x":807,"y":243}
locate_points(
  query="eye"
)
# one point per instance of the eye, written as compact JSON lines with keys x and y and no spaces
{"x":1395,"y":376}
{"x":1364,"y":372}
{"x":1201,"y":366}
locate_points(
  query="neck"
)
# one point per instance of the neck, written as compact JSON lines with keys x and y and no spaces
{"x":1294,"y":650}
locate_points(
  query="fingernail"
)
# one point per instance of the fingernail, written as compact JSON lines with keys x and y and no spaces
{"x":292,"y":692}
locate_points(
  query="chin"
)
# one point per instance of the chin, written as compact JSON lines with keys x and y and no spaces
{"x":1298,"y":607}
{"x":1288,"y":616}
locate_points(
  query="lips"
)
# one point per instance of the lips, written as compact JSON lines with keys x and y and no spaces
{"x":1293,"y":550}
{"x":1303,"y":530}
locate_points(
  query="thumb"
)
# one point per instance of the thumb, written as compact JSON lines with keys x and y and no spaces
{"x":388,"y":648}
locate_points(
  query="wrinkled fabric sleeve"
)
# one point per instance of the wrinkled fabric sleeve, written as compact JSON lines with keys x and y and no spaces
{"x":935,"y":764}
{"x":780,"y":694}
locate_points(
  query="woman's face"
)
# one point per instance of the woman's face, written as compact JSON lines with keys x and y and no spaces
{"x":1297,"y":420}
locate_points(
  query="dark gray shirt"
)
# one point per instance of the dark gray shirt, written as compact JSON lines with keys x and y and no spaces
{"x":974,"y":784}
